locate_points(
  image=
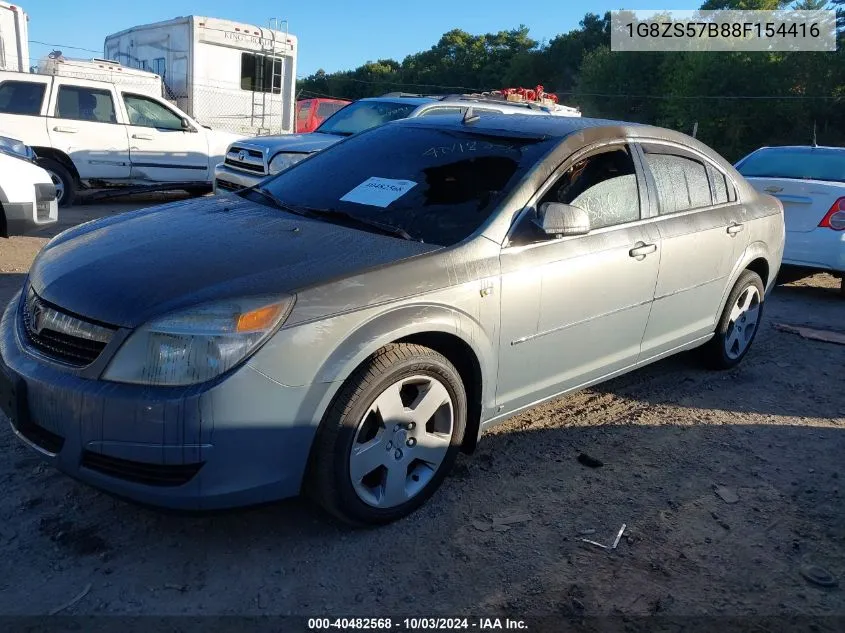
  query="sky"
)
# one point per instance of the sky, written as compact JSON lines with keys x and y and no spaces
{"x":333,"y":34}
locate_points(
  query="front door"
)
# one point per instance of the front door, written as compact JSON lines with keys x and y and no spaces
{"x":574,"y":309}
{"x":161,"y":149}
{"x":83,"y":124}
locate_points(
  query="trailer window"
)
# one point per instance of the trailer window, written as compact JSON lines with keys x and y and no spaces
{"x":260,"y":73}
{"x":21,"y":97}
{"x":145,"y":112}
{"x":85,"y":104}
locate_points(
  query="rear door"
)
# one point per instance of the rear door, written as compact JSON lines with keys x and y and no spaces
{"x":703,"y":234}
{"x":83,"y":123}
{"x":160,"y":148}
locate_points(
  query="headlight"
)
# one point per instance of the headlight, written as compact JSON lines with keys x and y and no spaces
{"x":281,"y":162}
{"x":196,"y":345}
{"x":16,"y":148}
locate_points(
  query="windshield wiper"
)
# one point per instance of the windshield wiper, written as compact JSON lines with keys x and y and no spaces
{"x":337,"y":214}
{"x":331,"y":214}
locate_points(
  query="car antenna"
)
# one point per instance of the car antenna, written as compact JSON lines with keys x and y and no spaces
{"x":815,"y":143}
{"x":469,"y":117}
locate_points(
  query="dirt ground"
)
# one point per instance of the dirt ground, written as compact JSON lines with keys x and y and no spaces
{"x":771,"y":433}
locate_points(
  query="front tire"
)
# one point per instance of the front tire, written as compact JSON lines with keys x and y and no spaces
{"x":738,"y":324}
{"x":63,"y":180}
{"x":390,"y":436}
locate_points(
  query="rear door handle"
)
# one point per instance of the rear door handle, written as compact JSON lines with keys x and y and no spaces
{"x":640,"y":251}
{"x":733,"y":229}
{"x":66,"y":130}
{"x":773,"y":189}
{"x":143,"y":137}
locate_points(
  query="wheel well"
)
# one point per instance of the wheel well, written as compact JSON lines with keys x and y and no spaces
{"x":761,"y":267}
{"x":57,"y":155}
{"x":465,"y":361}
{"x":3,"y":222}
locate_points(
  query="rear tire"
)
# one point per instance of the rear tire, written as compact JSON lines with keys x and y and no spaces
{"x":65,"y":182}
{"x":738,"y":324}
{"x":390,"y":436}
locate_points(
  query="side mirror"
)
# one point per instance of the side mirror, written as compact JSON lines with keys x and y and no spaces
{"x":186,"y":125}
{"x":562,"y":220}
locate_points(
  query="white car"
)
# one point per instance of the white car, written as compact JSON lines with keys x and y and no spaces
{"x":810,"y":182}
{"x":93,"y":134}
{"x":27,"y":194}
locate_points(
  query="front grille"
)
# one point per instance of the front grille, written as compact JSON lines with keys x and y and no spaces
{"x":225,"y":185}
{"x":41,"y":437}
{"x":164,"y":475}
{"x":233,"y":162}
{"x":245,"y":159}
{"x":60,"y":336}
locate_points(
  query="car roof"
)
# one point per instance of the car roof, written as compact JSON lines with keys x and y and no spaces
{"x":803,"y":148}
{"x":515,"y":124}
{"x":418,"y":101}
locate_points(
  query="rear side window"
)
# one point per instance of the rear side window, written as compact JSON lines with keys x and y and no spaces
{"x":21,"y":97}
{"x":720,"y":185}
{"x":304,"y":111}
{"x":442,"y":111}
{"x":682,"y":183}
{"x":85,"y":104}
{"x":800,"y":163}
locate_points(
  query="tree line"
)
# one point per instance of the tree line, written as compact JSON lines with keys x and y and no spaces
{"x":736,"y":101}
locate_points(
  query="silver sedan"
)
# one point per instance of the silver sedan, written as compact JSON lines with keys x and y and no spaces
{"x":349,"y":327}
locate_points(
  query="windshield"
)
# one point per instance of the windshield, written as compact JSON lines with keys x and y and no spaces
{"x":800,"y":163}
{"x":438,"y":186}
{"x":362,"y":115}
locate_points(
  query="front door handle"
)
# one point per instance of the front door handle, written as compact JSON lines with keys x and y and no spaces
{"x":735,"y":228}
{"x":66,"y":130}
{"x":641,"y":250}
{"x":143,"y":137}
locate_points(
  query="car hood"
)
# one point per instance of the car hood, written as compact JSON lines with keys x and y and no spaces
{"x":306,"y":143}
{"x":130,"y":268}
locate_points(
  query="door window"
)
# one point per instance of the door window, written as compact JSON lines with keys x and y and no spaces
{"x":682,"y":182}
{"x":442,"y":111}
{"x":603,"y":184}
{"x":85,"y":104}
{"x":21,"y":97}
{"x":145,"y":112}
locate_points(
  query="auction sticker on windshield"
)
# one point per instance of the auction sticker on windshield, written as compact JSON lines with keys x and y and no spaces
{"x":379,"y":192}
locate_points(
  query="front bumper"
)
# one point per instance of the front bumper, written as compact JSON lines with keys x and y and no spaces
{"x":25,"y":217}
{"x":228,"y":179}
{"x":240,"y":440}
{"x":819,"y":249}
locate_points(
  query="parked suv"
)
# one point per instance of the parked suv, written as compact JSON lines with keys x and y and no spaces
{"x":95,"y":134}
{"x":27,"y":197}
{"x":249,"y":161}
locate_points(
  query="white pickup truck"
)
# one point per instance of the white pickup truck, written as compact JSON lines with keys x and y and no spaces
{"x":96,"y":134}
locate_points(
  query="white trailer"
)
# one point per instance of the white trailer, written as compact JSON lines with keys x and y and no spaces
{"x":138,"y":81}
{"x":225,"y":74}
{"x":14,"y":38}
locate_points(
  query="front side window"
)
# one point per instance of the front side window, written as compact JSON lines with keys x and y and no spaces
{"x":602,"y":184}
{"x":681,"y":182}
{"x":261,"y":73}
{"x":21,"y":97}
{"x":85,"y":104}
{"x":362,"y":115}
{"x":437,"y":185}
{"x":145,"y":112}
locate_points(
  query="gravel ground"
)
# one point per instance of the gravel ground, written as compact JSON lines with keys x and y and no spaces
{"x":768,"y":434}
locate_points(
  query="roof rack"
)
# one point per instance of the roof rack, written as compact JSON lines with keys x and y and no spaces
{"x":532,"y":105}
{"x":405,"y":94}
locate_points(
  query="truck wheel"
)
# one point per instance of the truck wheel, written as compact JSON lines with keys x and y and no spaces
{"x":62,"y":178}
{"x":390,"y":437}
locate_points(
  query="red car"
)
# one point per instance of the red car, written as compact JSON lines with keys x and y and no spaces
{"x":311,"y":112}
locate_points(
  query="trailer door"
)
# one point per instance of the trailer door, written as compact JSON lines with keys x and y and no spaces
{"x":83,"y":123}
{"x":161,"y":147}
